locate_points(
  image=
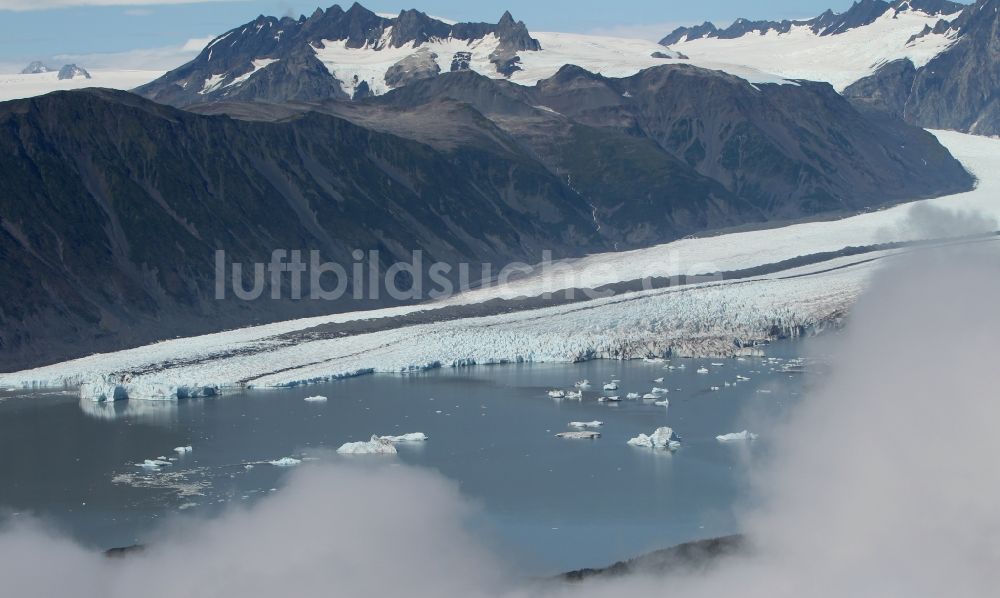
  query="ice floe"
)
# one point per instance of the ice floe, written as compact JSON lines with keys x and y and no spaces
{"x":662,"y":438}
{"x":593,"y":424}
{"x":737,"y":436}
{"x":580,"y":435}
{"x":154,"y":463}
{"x":411,"y":437}
{"x":183,"y":449}
{"x":316,"y":399}
{"x":557,"y":394}
{"x":285,"y":462}
{"x":376,"y":446}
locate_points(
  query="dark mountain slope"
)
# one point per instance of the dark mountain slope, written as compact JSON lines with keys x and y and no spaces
{"x":113,"y":206}
{"x":780,"y":150}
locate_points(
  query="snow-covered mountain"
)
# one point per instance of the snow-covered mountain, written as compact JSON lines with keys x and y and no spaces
{"x":71,"y":71}
{"x":357,"y":53}
{"x":836,"y":48}
{"x":35,"y":68}
{"x":957,"y":89}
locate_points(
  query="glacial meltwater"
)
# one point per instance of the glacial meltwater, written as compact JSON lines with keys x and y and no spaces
{"x":554,"y":503}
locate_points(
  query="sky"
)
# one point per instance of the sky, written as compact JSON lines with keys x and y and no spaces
{"x":79,"y":29}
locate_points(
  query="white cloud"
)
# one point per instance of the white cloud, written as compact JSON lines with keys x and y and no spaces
{"x":27,"y":5}
{"x":151,"y":59}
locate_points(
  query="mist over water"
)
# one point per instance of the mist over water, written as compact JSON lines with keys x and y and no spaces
{"x":883,"y":483}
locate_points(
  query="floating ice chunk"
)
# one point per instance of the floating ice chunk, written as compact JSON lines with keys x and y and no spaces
{"x":574,"y":394}
{"x":316,"y":399}
{"x":658,"y":380}
{"x":742,"y":378}
{"x":659,"y":391}
{"x":375,"y":446}
{"x":663,"y":403}
{"x":702,"y":370}
{"x":718,"y":364}
{"x":248,"y":466}
{"x":653,"y":359}
{"x":613,"y":399}
{"x":285,"y":462}
{"x":153,"y":463}
{"x":650,"y":396}
{"x":737,"y":436}
{"x":593,"y":424}
{"x":557,"y":394}
{"x":715,"y":388}
{"x":582,"y":435}
{"x":183,"y":449}
{"x":662,"y":438}
{"x":611,"y":386}
{"x":582,"y":384}
{"x":633,"y":395}
{"x":412,"y":437}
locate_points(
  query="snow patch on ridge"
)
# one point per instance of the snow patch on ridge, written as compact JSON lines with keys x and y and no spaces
{"x":839,"y":59}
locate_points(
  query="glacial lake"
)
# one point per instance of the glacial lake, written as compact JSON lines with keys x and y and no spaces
{"x":555,"y":504}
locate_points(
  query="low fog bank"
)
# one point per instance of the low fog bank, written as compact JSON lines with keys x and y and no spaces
{"x":883,"y":483}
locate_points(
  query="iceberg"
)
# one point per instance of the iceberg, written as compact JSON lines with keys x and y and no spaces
{"x":153,"y":463}
{"x":316,"y":399}
{"x":183,"y":449}
{"x":557,"y":394}
{"x":662,"y":438}
{"x":593,"y":424}
{"x":614,"y":399}
{"x":584,"y":435}
{"x":658,"y":380}
{"x":375,"y":446}
{"x":737,"y":436}
{"x":650,"y":396}
{"x":633,"y":395}
{"x":659,"y":391}
{"x":663,"y":403}
{"x":702,"y":370}
{"x":583,"y":384}
{"x":412,"y":437}
{"x":285,"y":462}
{"x":611,"y":386}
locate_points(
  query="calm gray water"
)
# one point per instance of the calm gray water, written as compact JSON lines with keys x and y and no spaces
{"x":557,"y":504}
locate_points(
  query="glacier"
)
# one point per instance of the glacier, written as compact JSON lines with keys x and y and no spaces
{"x":716,"y":318}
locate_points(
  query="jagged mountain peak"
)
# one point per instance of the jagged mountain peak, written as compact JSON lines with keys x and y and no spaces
{"x":860,"y":13}
{"x":280,"y":59}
